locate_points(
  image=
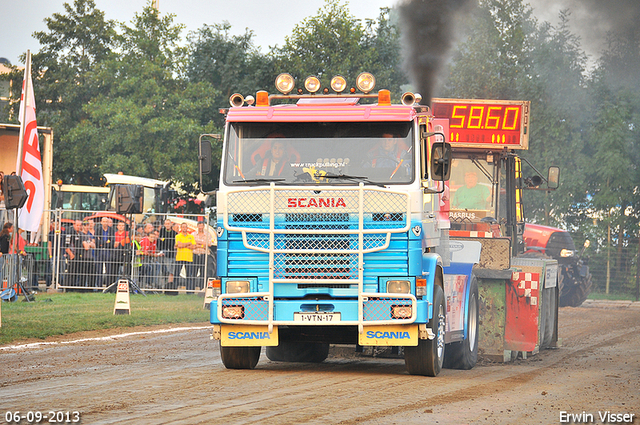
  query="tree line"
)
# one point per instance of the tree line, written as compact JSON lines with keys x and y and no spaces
{"x":134,"y":97}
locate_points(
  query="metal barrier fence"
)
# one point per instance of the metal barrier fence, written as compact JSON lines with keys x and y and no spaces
{"x":15,"y":268}
{"x":158,"y":252}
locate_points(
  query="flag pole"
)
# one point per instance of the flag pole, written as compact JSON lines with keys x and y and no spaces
{"x":23,"y":112}
{"x":23,"y":124}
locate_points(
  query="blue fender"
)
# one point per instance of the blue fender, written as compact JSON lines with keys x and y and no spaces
{"x":430,"y":263}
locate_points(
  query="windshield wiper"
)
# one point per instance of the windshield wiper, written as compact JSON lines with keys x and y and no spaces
{"x":352,"y":178}
{"x":263,"y":180}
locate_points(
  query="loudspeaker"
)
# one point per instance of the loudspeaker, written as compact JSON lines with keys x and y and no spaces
{"x":129,"y":198}
{"x":15,"y":195}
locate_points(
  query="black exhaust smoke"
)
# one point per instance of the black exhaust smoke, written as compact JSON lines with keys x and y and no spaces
{"x":428,"y":32}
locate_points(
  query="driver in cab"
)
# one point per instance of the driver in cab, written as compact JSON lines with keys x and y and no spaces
{"x":389,"y":154}
{"x":275,"y":163}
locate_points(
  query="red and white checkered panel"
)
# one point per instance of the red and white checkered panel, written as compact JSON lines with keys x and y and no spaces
{"x":527,"y":285}
{"x":469,"y":234}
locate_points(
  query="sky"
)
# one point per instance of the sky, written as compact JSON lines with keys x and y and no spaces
{"x":270,"y":20}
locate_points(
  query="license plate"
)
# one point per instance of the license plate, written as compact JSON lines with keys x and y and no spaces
{"x":316,"y":317}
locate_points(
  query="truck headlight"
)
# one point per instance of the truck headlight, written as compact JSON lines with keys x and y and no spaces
{"x":398,"y":286}
{"x":338,"y":84}
{"x":567,"y":253}
{"x":365,"y":82}
{"x":237,"y":286}
{"x":284,"y":83}
{"x":312,"y":84}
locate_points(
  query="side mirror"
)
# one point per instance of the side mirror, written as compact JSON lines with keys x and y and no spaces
{"x":204,"y":156}
{"x":553,"y":178}
{"x":440,"y":160}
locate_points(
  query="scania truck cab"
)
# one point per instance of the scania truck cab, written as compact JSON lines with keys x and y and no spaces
{"x":330,"y":229}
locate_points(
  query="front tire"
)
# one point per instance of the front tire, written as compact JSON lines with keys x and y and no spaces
{"x":575,"y":291}
{"x":240,"y":357}
{"x":427,"y":357}
{"x":464,"y":354}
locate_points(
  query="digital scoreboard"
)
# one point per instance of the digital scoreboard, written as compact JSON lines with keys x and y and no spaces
{"x":483,"y":123}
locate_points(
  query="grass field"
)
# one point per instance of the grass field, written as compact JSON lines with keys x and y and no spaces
{"x":612,"y":296}
{"x":64,"y":313}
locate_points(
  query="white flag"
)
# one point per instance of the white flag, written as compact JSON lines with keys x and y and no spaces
{"x":31,"y":213}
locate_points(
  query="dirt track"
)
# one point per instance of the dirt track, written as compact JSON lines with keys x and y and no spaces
{"x":177,"y":377}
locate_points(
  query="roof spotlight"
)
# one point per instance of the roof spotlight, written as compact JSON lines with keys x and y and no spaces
{"x":366,"y":82}
{"x":338,"y":84}
{"x":284,"y":83}
{"x":312,"y":84}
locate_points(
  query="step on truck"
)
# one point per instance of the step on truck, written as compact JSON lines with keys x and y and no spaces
{"x":332,"y":229}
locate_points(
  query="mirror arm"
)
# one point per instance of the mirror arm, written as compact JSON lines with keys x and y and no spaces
{"x":536,"y":170}
{"x":426,"y":190}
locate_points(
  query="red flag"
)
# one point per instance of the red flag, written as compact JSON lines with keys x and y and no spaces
{"x":31,"y":213}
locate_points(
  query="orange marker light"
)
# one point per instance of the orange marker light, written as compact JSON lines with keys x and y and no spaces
{"x":262,"y":98}
{"x":384,"y":98}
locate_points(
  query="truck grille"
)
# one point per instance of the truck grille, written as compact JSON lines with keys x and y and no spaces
{"x":329,"y":247}
{"x":316,"y":266}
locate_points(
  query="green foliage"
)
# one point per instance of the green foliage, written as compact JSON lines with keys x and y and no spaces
{"x":63,"y":71}
{"x":493,"y":56}
{"x":334,"y":42}
{"x":586,"y":123}
{"x":231,"y":64}
{"x":132,"y":111}
{"x":145,"y":121}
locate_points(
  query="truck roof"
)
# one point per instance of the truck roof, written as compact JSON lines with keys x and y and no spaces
{"x":124,"y":179}
{"x":321,"y":110}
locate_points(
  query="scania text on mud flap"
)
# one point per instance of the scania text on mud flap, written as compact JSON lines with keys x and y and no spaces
{"x":330,"y":229}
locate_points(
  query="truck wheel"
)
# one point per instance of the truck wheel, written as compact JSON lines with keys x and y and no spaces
{"x":575,"y":292}
{"x":240,"y":357}
{"x":301,"y":352}
{"x":464,"y":354}
{"x":427,"y":357}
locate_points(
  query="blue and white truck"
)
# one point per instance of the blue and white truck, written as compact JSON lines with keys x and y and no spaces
{"x":330,"y":229}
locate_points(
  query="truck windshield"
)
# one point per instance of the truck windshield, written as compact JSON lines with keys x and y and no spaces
{"x":304,"y":153}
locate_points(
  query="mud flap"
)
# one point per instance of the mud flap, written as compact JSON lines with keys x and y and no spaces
{"x":389,"y":335}
{"x":247,"y":336}
{"x":522,"y":300}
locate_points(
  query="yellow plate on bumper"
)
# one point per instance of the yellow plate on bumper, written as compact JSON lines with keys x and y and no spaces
{"x":248,"y":336}
{"x":405,"y":335}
